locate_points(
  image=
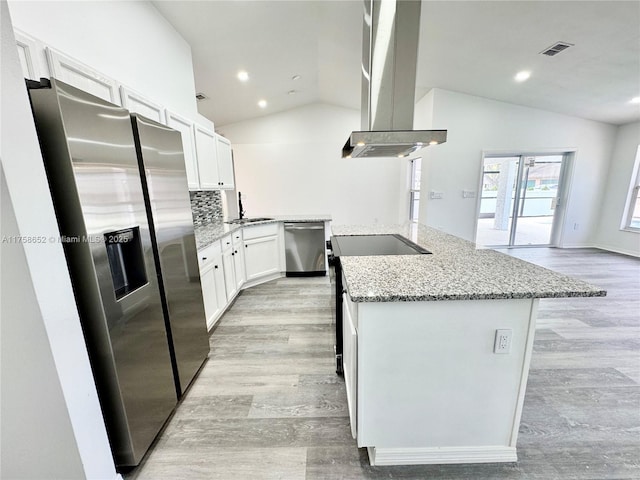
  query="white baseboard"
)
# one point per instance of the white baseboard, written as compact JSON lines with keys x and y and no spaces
{"x":605,"y":247}
{"x":441,"y":455}
{"x":617,"y":250}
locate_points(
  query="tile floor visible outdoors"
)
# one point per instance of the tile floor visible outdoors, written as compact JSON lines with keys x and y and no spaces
{"x":529,"y":231}
{"x":268,"y":404}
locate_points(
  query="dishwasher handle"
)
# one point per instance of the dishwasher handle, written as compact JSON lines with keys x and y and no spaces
{"x":303,"y":226}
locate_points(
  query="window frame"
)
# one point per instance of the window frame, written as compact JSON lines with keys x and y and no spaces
{"x":632,"y":197}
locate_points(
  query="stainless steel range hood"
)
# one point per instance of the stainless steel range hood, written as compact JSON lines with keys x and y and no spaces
{"x":391,"y":30}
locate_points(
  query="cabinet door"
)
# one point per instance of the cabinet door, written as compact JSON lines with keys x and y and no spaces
{"x":207,"y":158}
{"x":211,"y":305}
{"x":229,"y":273}
{"x":81,"y":76}
{"x":261,"y":257}
{"x":238,"y":250}
{"x":225,"y":162}
{"x":221,"y":290}
{"x":28,"y":54}
{"x":350,"y":361}
{"x":185,"y":127}
{"x":137,"y":103}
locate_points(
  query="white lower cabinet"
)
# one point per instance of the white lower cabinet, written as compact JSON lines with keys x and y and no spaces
{"x":229,"y":268}
{"x":262,"y":257}
{"x":263,"y":250}
{"x":212,"y":281}
{"x":238,"y":259}
{"x":246,"y":257}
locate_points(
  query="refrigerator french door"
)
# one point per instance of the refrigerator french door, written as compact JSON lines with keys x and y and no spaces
{"x":90,"y":157}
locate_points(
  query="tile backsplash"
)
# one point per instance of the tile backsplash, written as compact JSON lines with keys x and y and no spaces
{"x":206,"y":207}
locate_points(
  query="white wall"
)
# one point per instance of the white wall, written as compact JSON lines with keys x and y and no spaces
{"x":127,"y":40}
{"x":37,"y":437}
{"x":609,"y":236}
{"x":290,"y":163}
{"x":52,"y":426}
{"x":477,"y":124}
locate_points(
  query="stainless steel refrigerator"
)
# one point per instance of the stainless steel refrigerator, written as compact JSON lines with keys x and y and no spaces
{"x":133,"y":327}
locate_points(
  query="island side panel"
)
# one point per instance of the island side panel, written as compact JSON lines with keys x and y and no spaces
{"x":428,"y":377}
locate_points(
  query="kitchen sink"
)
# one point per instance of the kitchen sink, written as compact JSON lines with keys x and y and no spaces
{"x":242,"y":221}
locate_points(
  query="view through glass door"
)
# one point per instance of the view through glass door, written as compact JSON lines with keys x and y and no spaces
{"x":519,"y":199}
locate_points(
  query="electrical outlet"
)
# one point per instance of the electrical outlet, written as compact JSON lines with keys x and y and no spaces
{"x":468,"y":194}
{"x":433,"y":195}
{"x":503,"y":341}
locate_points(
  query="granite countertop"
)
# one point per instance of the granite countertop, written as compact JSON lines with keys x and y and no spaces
{"x":456,"y":270}
{"x":207,"y":234}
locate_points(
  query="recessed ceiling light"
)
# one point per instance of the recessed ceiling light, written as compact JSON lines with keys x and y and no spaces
{"x":295,"y":77}
{"x":262,"y":103}
{"x":243,"y":76}
{"x":522,"y":76}
{"x":433,"y":142}
{"x":635,"y":100}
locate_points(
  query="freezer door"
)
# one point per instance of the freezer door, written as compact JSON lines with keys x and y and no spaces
{"x":165,"y":183}
{"x":92,"y":168}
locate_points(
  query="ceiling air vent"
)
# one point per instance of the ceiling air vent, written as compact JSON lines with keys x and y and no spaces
{"x":556,"y":48}
{"x":201,"y":96}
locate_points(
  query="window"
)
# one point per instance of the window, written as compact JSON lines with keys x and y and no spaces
{"x":414,"y":199}
{"x":632,"y":211}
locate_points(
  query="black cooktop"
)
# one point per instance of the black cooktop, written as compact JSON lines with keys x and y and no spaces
{"x":363,"y":245}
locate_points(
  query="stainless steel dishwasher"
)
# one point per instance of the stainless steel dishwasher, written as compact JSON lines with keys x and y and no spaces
{"x":304,"y":244}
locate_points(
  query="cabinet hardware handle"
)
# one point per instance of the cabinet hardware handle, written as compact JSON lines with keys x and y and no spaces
{"x":215,"y":266}
{"x":236,"y":251}
{"x":204,"y":258}
{"x":232,"y":254}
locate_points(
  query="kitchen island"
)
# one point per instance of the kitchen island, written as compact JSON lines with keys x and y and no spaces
{"x":437,"y":347}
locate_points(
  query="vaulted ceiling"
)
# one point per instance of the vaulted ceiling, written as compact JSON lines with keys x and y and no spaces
{"x":474,"y":47}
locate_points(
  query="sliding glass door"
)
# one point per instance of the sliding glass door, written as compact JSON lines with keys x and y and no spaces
{"x":520,"y":195}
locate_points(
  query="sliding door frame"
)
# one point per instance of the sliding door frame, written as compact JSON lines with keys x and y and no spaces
{"x":564,"y":189}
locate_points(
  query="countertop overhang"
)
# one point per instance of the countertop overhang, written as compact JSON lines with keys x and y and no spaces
{"x":456,"y":270}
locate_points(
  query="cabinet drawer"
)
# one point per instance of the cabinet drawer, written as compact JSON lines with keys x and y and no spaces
{"x":207,"y":254}
{"x":236,"y":240}
{"x":256,"y":231}
{"x":226,"y":242}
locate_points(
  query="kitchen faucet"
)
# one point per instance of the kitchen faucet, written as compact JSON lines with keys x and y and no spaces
{"x":241,"y":211}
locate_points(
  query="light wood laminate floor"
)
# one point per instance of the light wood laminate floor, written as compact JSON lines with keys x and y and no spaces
{"x":268,"y":404}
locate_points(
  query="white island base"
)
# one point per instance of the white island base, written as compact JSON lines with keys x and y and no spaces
{"x":424,"y":385}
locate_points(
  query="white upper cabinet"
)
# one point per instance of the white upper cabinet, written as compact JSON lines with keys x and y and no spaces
{"x":137,"y":103}
{"x":207,"y":158}
{"x":28,"y":52}
{"x":185,"y":127}
{"x":225,"y":162}
{"x":79,"y":75}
